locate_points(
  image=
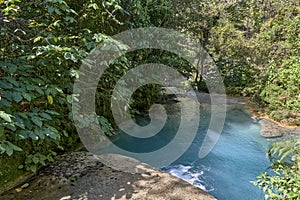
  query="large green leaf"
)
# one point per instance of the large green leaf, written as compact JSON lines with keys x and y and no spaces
{"x":14,"y":147}
{"x":17,"y":96}
{"x":5,"y":116}
{"x":45,"y":116}
{"x":5,"y":85}
{"x":37,"y":121}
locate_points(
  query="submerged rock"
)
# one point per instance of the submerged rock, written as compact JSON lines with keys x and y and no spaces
{"x":82,"y":175}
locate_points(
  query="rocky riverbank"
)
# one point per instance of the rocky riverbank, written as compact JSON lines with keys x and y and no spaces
{"x":82,"y":175}
{"x":269,"y":128}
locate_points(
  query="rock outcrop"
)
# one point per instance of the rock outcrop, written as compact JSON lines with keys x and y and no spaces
{"x":82,"y":175}
{"x":271,"y":129}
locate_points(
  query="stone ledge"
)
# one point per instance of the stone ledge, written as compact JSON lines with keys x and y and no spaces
{"x":82,"y":175}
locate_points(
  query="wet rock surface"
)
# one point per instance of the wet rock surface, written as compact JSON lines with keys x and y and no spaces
{"x":271,"y":129}
{"x":81,"y":175}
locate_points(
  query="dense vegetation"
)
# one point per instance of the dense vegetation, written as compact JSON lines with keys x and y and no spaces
{"x":282,"y":180}
{"x":255,"y":45}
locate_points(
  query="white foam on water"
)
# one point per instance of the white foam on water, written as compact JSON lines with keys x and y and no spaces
{"x":195,"y":177}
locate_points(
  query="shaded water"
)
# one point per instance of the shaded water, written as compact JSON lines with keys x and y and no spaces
{"x":226,"y":172}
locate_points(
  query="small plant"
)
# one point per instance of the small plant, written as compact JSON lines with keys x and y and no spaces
{"x":282,"y":180}
{"x":34,"y":160}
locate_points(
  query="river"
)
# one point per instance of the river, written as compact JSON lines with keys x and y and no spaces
{"x":237,"y":158}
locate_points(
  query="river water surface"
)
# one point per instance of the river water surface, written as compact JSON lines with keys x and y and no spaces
{"x":237,"y":158}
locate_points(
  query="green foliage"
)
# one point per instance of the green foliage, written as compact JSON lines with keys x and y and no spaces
{"x":34,"y":160}
{"x":281,"y":91}
{"x":9,"y":170}
{"x":39,"y":62}
{"x":42,"y":45}
{"x":255,"y":45}
{"x":280,"y":73}
{"x":282,"y":180}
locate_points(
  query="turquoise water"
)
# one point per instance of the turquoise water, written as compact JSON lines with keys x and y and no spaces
{"x":226,"y":172}
{"x":237,"y":158}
